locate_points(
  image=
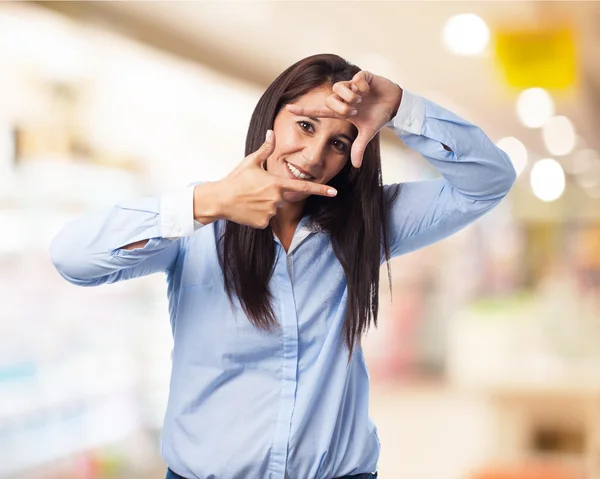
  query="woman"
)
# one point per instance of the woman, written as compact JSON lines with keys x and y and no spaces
{"x":273,"y":271}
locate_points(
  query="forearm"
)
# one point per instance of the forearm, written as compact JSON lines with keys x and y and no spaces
{"x":94,"y":248}
{"x":459,"y":150}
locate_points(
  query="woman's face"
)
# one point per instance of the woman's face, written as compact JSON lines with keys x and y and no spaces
{"x":310,"y":149}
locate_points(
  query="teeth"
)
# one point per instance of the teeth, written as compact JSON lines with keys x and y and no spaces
{"x":297,"y":173}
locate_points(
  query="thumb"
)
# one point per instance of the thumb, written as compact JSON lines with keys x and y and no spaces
{"x":358,"y":148}
{"x":261,"y":155}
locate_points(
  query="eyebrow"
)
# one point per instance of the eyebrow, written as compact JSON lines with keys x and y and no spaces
{"x":343,"y":135}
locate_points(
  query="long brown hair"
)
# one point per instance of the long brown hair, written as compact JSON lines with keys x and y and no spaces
{"x":356,"y":218}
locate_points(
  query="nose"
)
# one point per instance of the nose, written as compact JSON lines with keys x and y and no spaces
{"x":314,"y":153}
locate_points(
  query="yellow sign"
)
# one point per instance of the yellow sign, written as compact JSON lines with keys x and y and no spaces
{"x":543,"y":58}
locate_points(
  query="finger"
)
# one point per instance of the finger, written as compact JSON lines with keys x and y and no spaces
{"x":342,"y":89}
{"x":336,"y":104}
{"x":357,"y":153}
{"x":263,"y":152}
{"x":308,"y":188}
{"x":362,"y":81}
{"x":359,"y":146}
{"x":320,"y":111}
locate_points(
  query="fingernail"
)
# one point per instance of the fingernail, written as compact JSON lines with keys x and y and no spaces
{"x":331,"y":192}
{"x":358,"y":100}
{"x":269,"y":135}
{"x":353,"y":112}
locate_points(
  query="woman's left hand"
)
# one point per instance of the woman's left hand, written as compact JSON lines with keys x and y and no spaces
{"x":375,"y":100}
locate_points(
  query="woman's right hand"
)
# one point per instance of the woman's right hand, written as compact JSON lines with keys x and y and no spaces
{"x":249,"y":195}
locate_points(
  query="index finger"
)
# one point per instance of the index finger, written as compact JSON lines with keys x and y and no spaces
{"x":308,"y":187}
{"x":322,"y":112}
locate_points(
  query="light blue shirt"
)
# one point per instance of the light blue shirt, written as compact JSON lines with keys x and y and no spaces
{"x":244,"y":403}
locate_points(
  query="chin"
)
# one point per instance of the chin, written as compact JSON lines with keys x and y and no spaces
{"x":293,"y":197}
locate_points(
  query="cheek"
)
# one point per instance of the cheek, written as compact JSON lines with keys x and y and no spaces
{"x":334,"y":167}
{"x":286,"y":135}
{"x":285,"y":144}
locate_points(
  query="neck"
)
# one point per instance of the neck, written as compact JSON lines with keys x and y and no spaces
{"x":289,"y":214}
{"x":286,"y":220}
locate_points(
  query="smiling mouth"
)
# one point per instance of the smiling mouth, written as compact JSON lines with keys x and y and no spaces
{"x":297,"y":172}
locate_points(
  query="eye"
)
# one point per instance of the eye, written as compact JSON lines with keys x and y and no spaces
{"x":307,"y":126}
{"x":302,"y":123}
{"x":340,"y":145}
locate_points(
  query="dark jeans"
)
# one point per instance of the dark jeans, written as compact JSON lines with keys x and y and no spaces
{"x":368,"y":475}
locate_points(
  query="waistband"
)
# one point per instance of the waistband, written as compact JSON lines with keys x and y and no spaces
{"x":366,"y":475}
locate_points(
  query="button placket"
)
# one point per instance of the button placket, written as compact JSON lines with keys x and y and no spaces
{"x":290,"y":267}
{"x":289,"y":367}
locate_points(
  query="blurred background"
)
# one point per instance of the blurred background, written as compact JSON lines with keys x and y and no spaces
{"x":487,"y":362}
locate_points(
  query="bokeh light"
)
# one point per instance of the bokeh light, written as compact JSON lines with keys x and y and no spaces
{"x":535,"y":107}
{"x":559,"y":135}
{"x":547,"y":179}
{"x":466,"y":34}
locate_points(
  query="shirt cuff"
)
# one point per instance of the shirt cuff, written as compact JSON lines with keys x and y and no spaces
{"x":410,"y":116}
{"x":177,"y":214}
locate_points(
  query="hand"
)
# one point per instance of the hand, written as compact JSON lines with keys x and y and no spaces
{"x":375,"y":100}
{"x":249,"y":195}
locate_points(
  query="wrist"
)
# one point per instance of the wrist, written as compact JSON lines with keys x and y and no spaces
{"x":396,"y":102}
{"x":207,"y":203}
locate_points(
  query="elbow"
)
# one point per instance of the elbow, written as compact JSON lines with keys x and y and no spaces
{"x":502,"y":177}
{"x":57,"y":255}
{"x":64,"y":260}
{"x":508,"y":175}
{"x":498,"y":180}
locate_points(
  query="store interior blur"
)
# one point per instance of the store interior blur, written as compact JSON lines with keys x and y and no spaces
{"x":486,"y":361}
